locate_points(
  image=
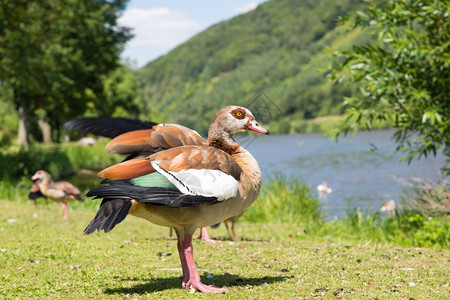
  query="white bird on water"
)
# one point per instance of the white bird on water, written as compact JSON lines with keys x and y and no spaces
{"x":323,"y":188}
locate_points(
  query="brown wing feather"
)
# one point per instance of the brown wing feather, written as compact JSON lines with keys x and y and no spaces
{"x":149,"y":141}
{"x":64,"y":186}
{"x":35,"y":187}
{"x":128,"y":169}
{"x":197,"y":157}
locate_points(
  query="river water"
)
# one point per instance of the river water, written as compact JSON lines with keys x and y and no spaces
{"x":357,"y":176}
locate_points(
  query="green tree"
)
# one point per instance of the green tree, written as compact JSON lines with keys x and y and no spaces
{"x":120,"y":94}
{"x":404,"y":76}
{"x":55,"y":54}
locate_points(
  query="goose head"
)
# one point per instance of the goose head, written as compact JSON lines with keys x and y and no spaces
{"x":232,"y":119}
{"x":41,"y":175}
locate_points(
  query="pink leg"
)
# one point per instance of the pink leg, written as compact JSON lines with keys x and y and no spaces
{"x":204,"y":236}
{"x":64,"y":209}
{"x":234,"y":233}
{"x":184,"y":266}
{"x":193,"y":276}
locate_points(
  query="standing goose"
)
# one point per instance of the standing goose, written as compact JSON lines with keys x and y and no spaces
{"x":60,"y":191}
{"x":231,"y":220}
{"x":186,"y":187}
{"x":142,"y":138}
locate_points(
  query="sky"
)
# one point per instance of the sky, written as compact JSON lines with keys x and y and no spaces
{"x":161,"y":25}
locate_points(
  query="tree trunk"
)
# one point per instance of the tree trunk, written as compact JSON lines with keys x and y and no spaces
{"x":66,"y":137}
{"x":46,"y":130}
{"x":22,"y":138}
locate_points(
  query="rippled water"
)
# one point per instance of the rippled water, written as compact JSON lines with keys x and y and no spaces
{"x":357,"y":176}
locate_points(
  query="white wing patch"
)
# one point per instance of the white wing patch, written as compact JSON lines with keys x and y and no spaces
{"x":204,"y":182}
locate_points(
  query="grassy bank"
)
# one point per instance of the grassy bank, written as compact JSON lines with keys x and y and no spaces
{"x":294,"y":204}
{"x":325,"y":124}
{"x":44,"y":256}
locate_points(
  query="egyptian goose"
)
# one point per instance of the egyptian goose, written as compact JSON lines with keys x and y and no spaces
{"x":60,"y":191}
{"x":194,"y":183}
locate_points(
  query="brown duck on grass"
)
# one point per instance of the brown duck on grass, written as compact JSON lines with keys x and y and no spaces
{"x":192,"y":184}
{"x":59,"y":191}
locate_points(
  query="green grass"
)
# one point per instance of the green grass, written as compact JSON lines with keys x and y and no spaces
{"x":46,"y":257}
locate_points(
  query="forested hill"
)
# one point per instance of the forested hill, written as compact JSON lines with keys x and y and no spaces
{"x":281,"y":47}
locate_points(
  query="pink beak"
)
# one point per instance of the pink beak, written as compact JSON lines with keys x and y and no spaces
{"x":254,"y":126}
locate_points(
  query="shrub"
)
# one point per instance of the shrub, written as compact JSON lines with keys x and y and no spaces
{"x":60,"y":160}
{"x":283,"y":201}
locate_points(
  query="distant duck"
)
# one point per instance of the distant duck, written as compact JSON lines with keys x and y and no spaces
{"x":388,"y":206}
{"x":59,"y":191}
{"x":323,"y":188}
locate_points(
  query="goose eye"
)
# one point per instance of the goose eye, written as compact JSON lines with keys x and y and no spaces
{"x":238,"y":113}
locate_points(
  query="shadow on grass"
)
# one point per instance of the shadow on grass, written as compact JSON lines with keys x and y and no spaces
{"x":161,"y":284}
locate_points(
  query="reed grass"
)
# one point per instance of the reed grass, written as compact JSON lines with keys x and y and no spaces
{"x":427,"y":196}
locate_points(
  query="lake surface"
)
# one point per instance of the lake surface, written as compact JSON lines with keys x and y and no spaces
{"x":357,"y":176}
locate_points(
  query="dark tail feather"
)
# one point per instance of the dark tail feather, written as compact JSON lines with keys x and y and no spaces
{"x":107,"y":126}
{"x":215,"y":225}
{"x":110,"y":213}
{"x":35,"y":195}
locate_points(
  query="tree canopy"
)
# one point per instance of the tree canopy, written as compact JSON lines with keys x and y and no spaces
{"x":404,"y":76}
{"x":54,"y":55}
